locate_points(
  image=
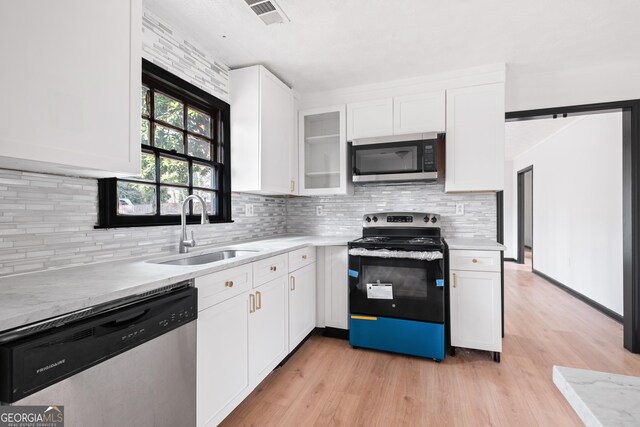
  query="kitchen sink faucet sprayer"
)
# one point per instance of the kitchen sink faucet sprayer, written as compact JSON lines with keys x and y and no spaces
{"x":185,"y":243}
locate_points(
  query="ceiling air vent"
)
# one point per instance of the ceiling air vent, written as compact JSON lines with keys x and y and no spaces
{"x":268,"y":10}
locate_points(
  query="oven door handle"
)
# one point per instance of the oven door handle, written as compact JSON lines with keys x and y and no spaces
{"x":386,"y":253}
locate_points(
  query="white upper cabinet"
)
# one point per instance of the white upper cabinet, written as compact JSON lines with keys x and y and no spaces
{"x":71,"y":86}
{"x":323,"y":152}
{"x":421,"y":113}
{"x":262,"y":122}
{"x":475,"y":138}
{"x":370,"y":119}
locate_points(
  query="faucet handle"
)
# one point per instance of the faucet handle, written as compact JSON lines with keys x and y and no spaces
{"x":193,"y":238}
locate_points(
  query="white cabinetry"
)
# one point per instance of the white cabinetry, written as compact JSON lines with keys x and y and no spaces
{"x":475,"y":138}
{"x":323,"y":163}
{"x":420,"y":113}
{"x":223,"y":378}
{"x":268,"y":328}
{"x":336,"y":287}
{"x":370,"y":119}
{"x":302,"y":304}
{"x":71,"y":86}
{"x":476,"y":300}
{"x":262,"y":122}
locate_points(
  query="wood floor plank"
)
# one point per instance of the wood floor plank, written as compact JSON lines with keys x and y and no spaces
{"x":327,"y":383}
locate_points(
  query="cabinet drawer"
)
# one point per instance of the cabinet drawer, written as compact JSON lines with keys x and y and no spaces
{"x":302,"y":257}
{"x":269,"y":269}
{"x":217,"y":287}
{"x":474,"y":260}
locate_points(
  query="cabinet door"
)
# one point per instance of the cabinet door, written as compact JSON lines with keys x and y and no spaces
{"x":222,"y":358}
{"x":268,"y":328}
{"x":423,"y":112}
{"x":370,"y":119}
{"x":475,"y":138}
{"x":475,"y":307}
{"x":302,"y":304}
{"x":276,"y":123}
{"x":336,"y":287}
{"x":71,"y":96}
{"x":323,"y":152}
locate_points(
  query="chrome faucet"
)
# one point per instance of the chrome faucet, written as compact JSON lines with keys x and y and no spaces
{"x":185,"y":243}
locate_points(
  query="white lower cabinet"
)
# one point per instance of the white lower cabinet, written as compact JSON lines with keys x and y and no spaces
{"x":476,"y":309}
{"x":336,"y":291}
{"x":268,"y":328}
{"x":302,"y":304}
{"x":223,"y":378}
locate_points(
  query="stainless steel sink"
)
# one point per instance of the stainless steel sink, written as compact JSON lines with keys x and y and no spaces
{"x":208,"y":258}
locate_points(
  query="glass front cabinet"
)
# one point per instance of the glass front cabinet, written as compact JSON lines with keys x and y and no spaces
{"x":324,"y":167}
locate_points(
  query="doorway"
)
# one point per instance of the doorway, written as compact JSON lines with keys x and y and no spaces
{"x":525,"y":216}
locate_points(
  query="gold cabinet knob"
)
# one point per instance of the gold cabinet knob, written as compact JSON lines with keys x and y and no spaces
{"x":229,"y":283}
{"x":475,"y":261}
{"x":304,"y":257}
{"x":273,"y":268}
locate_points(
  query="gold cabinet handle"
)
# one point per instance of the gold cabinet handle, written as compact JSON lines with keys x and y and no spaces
{"x":474,"y":261}
{"x":304,"y":257}
{"x":252,"y":303}
{"x":259,"y":297}
{"x":293,"y":283}
{"x":293,"y":185}
{"x":229,"y":283}
{"x":455,"y":281}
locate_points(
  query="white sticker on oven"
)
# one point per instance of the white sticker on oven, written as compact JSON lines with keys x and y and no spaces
{"x":379,"y":290}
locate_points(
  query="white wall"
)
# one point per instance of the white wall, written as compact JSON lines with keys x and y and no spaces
{"x":527,"y":90}
{"x":577,"y":218}
{"x":528,"y":209}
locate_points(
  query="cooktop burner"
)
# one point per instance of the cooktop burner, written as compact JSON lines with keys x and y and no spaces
{"x":374,"y":239}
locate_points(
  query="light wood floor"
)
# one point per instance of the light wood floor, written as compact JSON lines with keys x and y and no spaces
{"x":328,"y":383}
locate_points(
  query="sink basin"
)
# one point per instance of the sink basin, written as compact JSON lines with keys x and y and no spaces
{"x":208,"y":258}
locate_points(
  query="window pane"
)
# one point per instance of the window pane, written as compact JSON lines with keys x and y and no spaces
{"x":174,"y":171}
{"x":171,"y":199}
{"x":144,"y":132}
{"x":136,"y":199}
{"x":198,"y":147}
{"x":169,"y":110}
{"x":169,"y":139}
{"x":198,"y":122}
{"x":144,"y":101}
{"x":210,"y":199}
{"x":147,"y":168}
{"x":202,"y":176}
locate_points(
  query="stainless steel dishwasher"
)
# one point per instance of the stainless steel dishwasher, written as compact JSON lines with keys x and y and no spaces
{"x":130,"y":363}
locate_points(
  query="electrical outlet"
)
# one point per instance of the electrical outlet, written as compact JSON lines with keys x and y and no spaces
{"x":459,"y":208}
{"x":248,"y":210}
{"x":319,"y":210}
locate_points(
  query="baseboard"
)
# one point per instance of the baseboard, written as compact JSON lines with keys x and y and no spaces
{"x":601,"y":308}
{"x":511,"y":260}
{"x":330,"y":332}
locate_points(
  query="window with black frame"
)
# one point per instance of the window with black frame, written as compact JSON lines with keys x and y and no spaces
{"x":185,"y":150}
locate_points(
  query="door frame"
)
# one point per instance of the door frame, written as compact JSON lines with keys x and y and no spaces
{"x":630,"y":199}
{"x":521,"y":213}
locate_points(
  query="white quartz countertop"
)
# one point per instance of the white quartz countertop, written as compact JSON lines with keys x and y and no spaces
{"x":474,"y":244}
{"x":599,"y":398}
{"x":32,"y":297}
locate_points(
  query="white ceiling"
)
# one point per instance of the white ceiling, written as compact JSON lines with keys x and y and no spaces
{"x":336,"y":43}
{"x":523,"y":135}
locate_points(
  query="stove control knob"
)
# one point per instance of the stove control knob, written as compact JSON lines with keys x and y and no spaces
{"x":434,"y":219}
{"x":368,"y":219}
{"x":375,"y":219}
{"x":426,"y":218}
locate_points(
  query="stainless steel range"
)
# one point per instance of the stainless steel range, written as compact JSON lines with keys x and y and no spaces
{"x":397,"y":284}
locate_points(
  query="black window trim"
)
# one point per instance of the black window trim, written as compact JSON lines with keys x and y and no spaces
{"x":174,"y":86}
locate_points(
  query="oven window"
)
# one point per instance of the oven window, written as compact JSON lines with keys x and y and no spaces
{"x":387,"y":158}
{"x":397,"y":288}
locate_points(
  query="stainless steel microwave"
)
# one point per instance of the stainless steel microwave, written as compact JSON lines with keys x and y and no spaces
{"x":417,"y":157}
